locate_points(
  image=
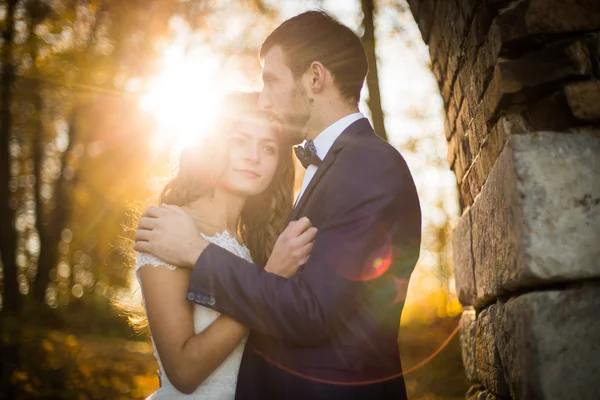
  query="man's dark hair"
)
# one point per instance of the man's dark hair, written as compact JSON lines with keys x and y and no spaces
{"x":317,"y":36}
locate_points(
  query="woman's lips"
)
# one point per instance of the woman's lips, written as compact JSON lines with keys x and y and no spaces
{"x":248,"y":173}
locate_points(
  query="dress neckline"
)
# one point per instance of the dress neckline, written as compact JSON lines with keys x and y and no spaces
{"x":222,"y":235}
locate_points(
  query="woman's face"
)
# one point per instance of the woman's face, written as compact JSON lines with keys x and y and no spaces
{"x":253,"y":157}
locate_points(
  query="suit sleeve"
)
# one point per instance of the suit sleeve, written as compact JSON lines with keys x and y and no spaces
{"x":309,"y":306}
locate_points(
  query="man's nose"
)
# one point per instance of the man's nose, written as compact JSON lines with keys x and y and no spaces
{"x":264,"y":101}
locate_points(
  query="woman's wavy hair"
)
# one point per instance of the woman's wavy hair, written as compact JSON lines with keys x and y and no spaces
{"x":264,"y":215}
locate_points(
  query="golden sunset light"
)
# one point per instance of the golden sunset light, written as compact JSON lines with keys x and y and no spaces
{"x":184,"y":96}
{"x":387,"y":260}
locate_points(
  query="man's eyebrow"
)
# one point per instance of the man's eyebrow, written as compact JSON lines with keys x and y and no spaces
{"x":268,"y":75}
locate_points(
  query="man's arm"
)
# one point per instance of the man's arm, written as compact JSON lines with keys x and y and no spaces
{"x":307,"y":307}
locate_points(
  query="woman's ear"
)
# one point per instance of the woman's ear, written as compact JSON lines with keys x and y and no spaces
{"x":318,"y":76}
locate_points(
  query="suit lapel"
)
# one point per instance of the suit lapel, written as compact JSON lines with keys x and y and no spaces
{"x":346,"y":137}
{"x":325,"y":165}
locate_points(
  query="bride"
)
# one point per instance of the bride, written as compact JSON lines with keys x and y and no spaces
{"x":238,"y":187}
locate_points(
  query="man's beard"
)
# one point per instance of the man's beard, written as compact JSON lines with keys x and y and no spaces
{"x":295,"y":121}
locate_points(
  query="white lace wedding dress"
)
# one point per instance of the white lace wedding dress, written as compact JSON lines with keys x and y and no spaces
{"x":220,"y":385}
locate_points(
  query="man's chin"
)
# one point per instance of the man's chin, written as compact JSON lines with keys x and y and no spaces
{"x":294,"y":135}
{"x":294,"y":131}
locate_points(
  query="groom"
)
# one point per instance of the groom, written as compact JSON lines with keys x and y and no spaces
{"x":330,"y":331}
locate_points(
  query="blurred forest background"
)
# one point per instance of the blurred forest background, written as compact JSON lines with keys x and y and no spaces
{"x":96,"y":98}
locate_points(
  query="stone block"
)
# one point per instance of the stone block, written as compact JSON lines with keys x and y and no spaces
{"x":536,"y":220}
{"x":458,"y":169}
{"x":457,"y":26}
{"x":548,"y":343}
{"x":521,"y":19}
{"x":468,"y":327}
{"x":437,"y":72}
{"x":483,"y":66}
{"x":440,"y":32}
{"x":474,"y":143}
{"x":452,"y":113}
{"x":464,"y":152}
{"x":451,"y":156}
{"x":465,"y":193}
{"x":492,"y":146}
{"x":453,"y":64}
{"x":496,"y":220}
{"x":481,"y":169}
{"x":435,"y":40}
{"x":479,"y":127}
{"x":446,"y":91}
{"x":479,"y":392}
{"x":463,"y":118}
{"x":584,"y":100}
{"x":593,"y":40}
{"x":423,"y":10}
{"x":525,"y":81}
{"x":457,"y":91}
{"x":467,"y":9}
{"x":478,"y":31}
{"x":553,"y":63}
{"x":474,"y":179}
{"x":463,"y":260}
{"x":551,"y":112}
{"x":559,"y":190}
{"x":487,"y":358}
{"x":447,"y":130}
{"x":494,"y":99}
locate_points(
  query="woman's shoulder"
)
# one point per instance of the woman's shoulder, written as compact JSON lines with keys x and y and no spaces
{"x":146,"y":259}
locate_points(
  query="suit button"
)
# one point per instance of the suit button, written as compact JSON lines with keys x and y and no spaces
{"x":190,"y":296}
{"x":211,"y":301}
{"x":199,"y":298}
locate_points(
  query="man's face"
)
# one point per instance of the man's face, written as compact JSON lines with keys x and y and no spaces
{"x":283,"y":97}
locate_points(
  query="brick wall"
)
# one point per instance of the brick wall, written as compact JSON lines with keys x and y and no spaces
{"x":520,"y":82}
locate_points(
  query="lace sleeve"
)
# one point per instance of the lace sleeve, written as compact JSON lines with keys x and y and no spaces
{"x":148,"y":259}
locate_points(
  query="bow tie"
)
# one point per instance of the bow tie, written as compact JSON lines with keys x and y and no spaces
{"x":307,"y":154}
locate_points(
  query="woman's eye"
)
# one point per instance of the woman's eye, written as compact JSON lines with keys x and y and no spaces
{"x":269,"y":149}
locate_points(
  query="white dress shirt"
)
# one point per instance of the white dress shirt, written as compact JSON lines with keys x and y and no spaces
{"x":323,"y":143}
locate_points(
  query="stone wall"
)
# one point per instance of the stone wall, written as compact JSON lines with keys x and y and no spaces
{"x":521,"y":87}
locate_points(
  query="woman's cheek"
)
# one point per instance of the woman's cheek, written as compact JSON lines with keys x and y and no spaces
{"x":273,"y":167}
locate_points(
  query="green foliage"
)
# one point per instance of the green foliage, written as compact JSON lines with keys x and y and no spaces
{"x":38,"y":362}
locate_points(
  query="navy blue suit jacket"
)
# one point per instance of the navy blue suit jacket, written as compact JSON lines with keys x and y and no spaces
{"x":335,"y":323}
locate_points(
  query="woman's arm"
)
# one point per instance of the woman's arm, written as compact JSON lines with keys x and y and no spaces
{"x":187,"y":358}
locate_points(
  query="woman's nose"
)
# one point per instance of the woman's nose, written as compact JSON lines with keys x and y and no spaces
{"x":252,"y":154}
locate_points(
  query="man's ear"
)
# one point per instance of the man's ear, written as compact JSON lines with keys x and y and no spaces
{"x":317,"y":77}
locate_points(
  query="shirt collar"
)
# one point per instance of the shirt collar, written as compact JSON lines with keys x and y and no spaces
{"x":327,"y":137}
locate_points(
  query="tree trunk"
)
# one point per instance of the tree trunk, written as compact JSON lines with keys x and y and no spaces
{"x":368,"y":40}
{"x":8,"y":234}
{"x":50,"y":224}
{"x":48,"y":241}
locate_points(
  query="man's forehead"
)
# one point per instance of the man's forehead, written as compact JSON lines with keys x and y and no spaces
{"x":274,"y":60}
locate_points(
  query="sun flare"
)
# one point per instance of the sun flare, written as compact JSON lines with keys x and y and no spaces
{"x":183,"y":97}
